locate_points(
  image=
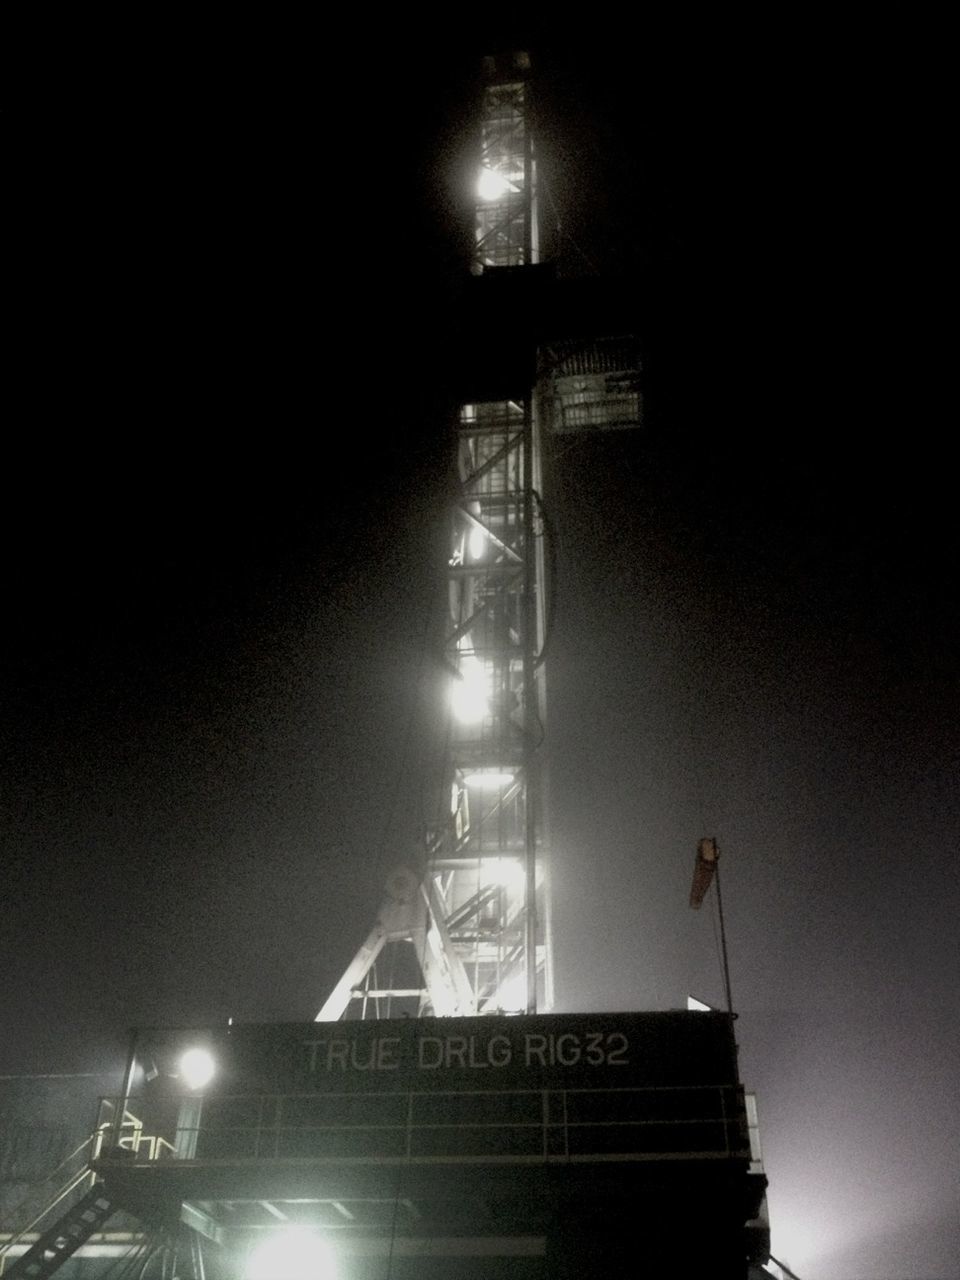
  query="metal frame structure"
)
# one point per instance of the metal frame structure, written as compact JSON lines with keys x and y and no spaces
{"x":545,"y":1166}
{"x":506,"y":232}
{"x":472,"y":919}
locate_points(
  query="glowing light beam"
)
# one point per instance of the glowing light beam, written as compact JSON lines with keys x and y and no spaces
{"x":293,"y":1254}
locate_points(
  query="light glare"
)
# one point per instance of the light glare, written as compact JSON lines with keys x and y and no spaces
{"x":477,"y":542}
{"x":471,"y":692}
{"x":197,"y":1068}
{"x":488,"y":779}
{"x":492,"y":186}
{"x":512,"y":997}
{"x":294,"y":1254}
{"x":507,"y":872}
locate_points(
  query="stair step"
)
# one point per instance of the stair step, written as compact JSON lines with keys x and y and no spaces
{"x":59,"y":1242}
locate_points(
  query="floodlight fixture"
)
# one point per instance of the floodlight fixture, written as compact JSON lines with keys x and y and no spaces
{"x":512,"y":996}
{"x":197,"y":1068}
{"x":294,"y":1253}
{"x":477,"y":542}
{"x":488,"y":779}
{"x":470,"y":696}
{"x":506,"y":872}
{"x":492,"y":185}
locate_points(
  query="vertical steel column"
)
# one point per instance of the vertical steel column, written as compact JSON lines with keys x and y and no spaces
{"x":126,"y":1086}
{"x":530,"y":713}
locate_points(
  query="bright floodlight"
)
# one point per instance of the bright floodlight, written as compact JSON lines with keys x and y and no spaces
{"x":507,"y":872}
{"x":293,"y":1254}
{"x":471,"y":692}
{"x":477,"y":542}
{"x":512,"y":996}
{"x":197,"y":1068}
{"x":492,"y":186}
{"x":488,"y":779}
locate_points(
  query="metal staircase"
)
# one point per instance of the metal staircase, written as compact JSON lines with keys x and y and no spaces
{"x":64,"y":1238}
{"x":76,"y":1207}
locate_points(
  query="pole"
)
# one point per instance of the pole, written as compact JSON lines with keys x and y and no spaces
{"x":723,"y":941}
{"x":530,"y":716}
{"x":126,"y":1086}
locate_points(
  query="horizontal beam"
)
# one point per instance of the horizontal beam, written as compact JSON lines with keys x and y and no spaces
{"x":445,"y":1247}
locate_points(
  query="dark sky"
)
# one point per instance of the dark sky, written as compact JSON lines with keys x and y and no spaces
{"x":225,"y":481}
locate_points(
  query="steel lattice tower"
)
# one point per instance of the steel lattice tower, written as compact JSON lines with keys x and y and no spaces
{"x":474,"y":920}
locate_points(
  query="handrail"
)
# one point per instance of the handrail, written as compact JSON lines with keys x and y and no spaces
{"x":94,"y":1141}
{"x":569,"y":1132}
{"x":76,"y":1181}
{"x":49,"y":1177}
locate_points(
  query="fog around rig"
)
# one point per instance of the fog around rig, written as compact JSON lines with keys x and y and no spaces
{"x":224,"y":535}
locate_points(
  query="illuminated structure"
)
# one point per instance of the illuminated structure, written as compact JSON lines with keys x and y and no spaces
{"x":470,"y":919}
{"x":475,"y":920}
{"x":541,"y":1147}
{"x":452,"y":1141}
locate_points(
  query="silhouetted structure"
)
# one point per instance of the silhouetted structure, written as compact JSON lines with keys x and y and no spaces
{"x":432,"y":1122}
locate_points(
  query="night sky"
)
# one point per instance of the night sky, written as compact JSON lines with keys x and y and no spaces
{"x":225,"y":484}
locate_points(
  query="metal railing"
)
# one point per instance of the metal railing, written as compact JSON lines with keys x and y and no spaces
{"x":73,"y":1176}
{"x":512,"y":1126}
